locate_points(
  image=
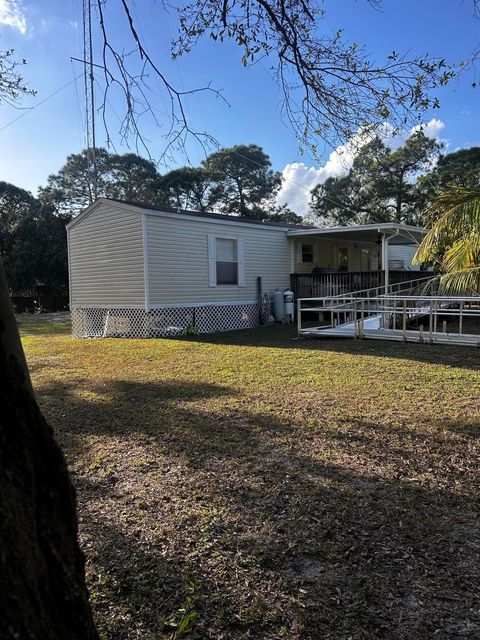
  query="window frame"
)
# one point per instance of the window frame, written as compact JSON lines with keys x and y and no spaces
{"x":239,"y":262}
{"x":234,"y":241}
{"x":312,"y":252}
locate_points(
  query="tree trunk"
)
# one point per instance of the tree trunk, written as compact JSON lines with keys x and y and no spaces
{"x":42,"y":579}
{"x":399,"y":203}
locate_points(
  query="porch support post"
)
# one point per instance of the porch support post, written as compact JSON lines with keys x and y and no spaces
{"x":385,"y":262}
{"x":385,"y":243}
{"x":293,"y":250}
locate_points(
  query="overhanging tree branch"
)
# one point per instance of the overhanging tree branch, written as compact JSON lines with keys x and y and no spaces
{"x":330,"y":87}
{"x":12,"y":86}
{"x":134,"y":88}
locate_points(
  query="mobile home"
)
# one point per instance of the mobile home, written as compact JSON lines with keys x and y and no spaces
{"x":142,"y":271}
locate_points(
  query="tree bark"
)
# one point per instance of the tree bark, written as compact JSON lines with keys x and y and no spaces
{"x":42,"y":579}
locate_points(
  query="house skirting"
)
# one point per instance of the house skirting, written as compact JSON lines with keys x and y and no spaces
{"x":110,"y":322}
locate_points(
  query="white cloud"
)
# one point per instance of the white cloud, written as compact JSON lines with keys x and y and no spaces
{"x":299,"y":179}
{"x":12,"y":15}
{"x":431,"y":129}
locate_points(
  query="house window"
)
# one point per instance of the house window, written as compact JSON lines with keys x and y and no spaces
{"x":343,"y":259}
{"x":226,"y":261}
{"x":307,"y":252}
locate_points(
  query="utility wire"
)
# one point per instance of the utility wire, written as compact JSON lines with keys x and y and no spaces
{"x":301,"y":186}
{"x":298,"y":184}
{"x":39,"y":104}
{"x":79,"y":112}
{"x":290,"y":180}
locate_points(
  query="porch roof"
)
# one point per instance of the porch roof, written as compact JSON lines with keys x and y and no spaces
{"x":397,"y":233}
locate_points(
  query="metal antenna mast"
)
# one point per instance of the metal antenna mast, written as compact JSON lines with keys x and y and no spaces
{"x":89,"y":97}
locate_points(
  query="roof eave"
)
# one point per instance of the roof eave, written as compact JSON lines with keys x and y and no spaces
{"x":383,"y":227}
{"x":185,"y":214}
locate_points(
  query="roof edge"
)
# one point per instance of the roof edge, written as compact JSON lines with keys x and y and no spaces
{"x":207,"y":215}
{"x":382,"y":226}
{"x":83,"y":213}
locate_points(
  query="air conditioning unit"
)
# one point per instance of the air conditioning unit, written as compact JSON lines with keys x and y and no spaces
{"x":396,"y":265}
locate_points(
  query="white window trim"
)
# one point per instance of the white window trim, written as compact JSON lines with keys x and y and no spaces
{"x":309,"y":244}
{"x":212,"y":261}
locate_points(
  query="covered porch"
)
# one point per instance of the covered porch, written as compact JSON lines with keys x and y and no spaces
{"x":339,"y":260}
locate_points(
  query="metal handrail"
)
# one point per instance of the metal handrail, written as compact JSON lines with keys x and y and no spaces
{"x":406,"y":286}
{"x":393,"y":312}
{"x":333,"y":282}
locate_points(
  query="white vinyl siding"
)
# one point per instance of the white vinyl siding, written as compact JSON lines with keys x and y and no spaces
{"x":323,"y":255}
{"x":363,"y":257}
{"x":106,"y":258}
{"x":241,"y":262}
{"x":403,"y":253}
{"x":189,"y":276}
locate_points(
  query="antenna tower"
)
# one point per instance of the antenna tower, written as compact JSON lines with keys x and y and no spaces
{"x":89,"y":97}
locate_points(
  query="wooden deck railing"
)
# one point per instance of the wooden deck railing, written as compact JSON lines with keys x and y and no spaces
{"x":313,"y":285}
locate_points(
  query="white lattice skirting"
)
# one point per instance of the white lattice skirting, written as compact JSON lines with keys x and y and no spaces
{"x":159,"y":323}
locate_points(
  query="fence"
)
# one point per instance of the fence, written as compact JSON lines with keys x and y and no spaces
{"x":313,"y":285}
{"x":108,"y":322}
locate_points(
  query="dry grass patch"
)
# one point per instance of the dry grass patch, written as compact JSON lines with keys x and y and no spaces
{"x":250,"y":486}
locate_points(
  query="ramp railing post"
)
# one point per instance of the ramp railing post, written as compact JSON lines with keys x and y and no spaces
{"x":430,"y":321}
{"x":354,"y":318}
{"x":362,"y":320}
{"x":404,"y":320}
{"x":460,"y":319}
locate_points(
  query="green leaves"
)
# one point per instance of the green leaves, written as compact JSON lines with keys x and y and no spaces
{"x":236,"y":180}
{"x":243,"y":182}
{"x":381,"y":185}
{"x":124,"y":177}
{"x":458,"y":283}
{"x":186,"y":188}
{"x":453,"y":241}
{"x":330,"y":86}
{"x":32,"y":242}
{"x":12,"y":85}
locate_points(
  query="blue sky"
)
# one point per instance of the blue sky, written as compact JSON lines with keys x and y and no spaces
{"x":48,"y":32}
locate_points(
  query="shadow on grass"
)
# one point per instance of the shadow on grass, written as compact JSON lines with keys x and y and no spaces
{"x":281,"y":540}
{"x":285,"y":337}
{"x":131,"y":584}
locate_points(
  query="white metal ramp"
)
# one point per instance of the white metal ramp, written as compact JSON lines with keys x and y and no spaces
{"x":401,"y":313}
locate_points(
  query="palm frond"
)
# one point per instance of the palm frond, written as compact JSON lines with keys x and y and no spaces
{"x":453,"y":242}
{"x":458,"y":283}
{"x":462,"y":254}
{"x":454,"y":214}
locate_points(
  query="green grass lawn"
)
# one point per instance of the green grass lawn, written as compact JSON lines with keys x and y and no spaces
{"x":43,"y":324}
{"x":249,"y":485}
